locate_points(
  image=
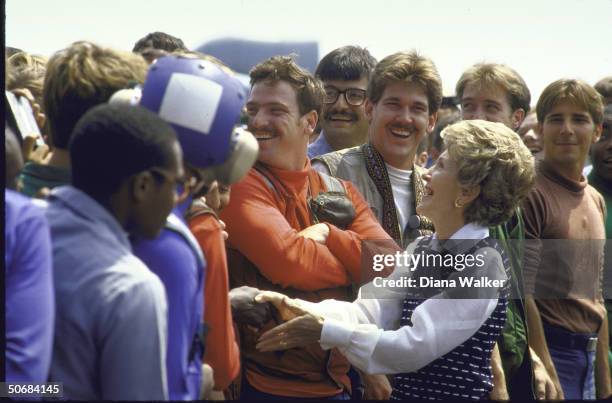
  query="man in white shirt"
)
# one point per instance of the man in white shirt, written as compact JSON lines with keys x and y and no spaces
{"x":401,"y":111}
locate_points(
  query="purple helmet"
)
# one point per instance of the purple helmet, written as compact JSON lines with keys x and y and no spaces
{"x":201,"y":101}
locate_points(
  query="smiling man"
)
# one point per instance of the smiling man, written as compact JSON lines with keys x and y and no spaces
{"x":404,"y":94}
{"x":493,"y":92}
{"x":345,"y":73}
{"x":568,"y":328}
{"x":275,"y":242}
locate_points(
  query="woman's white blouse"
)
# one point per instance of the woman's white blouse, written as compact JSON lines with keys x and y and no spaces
{"x":367,"y":331}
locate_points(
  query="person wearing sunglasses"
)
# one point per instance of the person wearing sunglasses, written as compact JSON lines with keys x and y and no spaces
{"x":202,"y":101}
{"x":345,"y":72}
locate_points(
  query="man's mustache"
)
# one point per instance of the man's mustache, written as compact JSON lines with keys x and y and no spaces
{"x":340,"y":114}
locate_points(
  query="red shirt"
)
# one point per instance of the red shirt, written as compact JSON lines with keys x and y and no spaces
{"x":222,"y":352}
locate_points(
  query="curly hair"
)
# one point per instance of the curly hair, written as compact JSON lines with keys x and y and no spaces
{"x":492,"y":156}
{"x":25,"y":70}
{"x":309,"y":90}
{"x":81,"y":77}
{"x":409,"y":67}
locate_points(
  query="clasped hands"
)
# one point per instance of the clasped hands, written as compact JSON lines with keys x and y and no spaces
{"x":301,"y":327}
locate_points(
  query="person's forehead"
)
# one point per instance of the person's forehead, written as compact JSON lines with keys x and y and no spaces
{"x":490,"y":91}
{"x":405,"y":91}
{"x":270,"y":92}
{"x":567,"y":106}
{"x":362,"y":83}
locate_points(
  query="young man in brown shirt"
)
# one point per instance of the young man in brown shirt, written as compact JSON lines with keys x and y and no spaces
{"x":564,"y":250}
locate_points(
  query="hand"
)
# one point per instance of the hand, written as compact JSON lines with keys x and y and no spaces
{"x":298,"y":332}
{"x":207,"y":382}
{"x":376,"y":387}
{"x":42,"y":193}
{"x":288,"y":308}
{"x":545,"y":388}
{"x":40,"y":154}
{"x":213,"y":199}
{"x":499,"y":392}
{"x":317,"y":232}
{"x":223,"y":231}
{"x":244,"y":308}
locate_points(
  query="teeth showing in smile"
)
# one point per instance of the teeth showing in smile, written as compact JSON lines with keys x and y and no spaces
{"x":263,"y":136}
{"x":342,"y":118}
{"x":400,"y":132}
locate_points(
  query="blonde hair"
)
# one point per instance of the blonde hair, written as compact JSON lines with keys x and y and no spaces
{"x":492,"y":156}
{"x":575,"y":91}
{"x":82,"y":76}
{"x":484,"y":75}
{"x":24,"y":70}
{"x":408,"y":67}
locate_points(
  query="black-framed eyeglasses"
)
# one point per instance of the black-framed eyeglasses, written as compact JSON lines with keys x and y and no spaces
{"x":353,"y":96}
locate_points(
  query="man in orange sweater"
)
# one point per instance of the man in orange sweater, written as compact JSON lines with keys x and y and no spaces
{"x":275,"y":244}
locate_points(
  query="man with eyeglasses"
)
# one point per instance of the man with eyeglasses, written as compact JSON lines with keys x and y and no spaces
{"x":345,"y":73}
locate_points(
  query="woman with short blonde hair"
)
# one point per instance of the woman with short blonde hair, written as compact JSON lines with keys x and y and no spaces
{"x":450,"y":311}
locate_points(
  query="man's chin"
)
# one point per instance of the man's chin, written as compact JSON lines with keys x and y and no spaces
{"x":338,"y":125}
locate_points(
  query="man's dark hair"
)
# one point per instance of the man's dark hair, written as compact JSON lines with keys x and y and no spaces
{"x":159,"y":40}
{"x":347,"y":63}
{"x":604,"y":87}
{"x":110,"y":143}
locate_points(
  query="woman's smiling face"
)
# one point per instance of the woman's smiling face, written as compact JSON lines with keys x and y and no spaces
{"x":442,"y":189}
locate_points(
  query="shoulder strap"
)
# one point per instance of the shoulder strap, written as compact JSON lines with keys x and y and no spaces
{"x":173,"y":223}
{"x":332,"y":184}
{"x":265,"y":174}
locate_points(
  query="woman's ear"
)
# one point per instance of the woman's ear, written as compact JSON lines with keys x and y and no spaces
{"x":469,"y":194}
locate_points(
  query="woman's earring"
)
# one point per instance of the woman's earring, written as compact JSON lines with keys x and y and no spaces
{"x":458,"y":204}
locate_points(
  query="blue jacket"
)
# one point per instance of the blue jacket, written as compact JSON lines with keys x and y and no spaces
{"x":30,"y":304}
{"x":176,"y":258}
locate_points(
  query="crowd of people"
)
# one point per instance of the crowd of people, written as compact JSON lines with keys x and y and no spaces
{"x":173,"y":235}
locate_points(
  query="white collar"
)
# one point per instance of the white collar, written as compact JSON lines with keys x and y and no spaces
{"x":466,"y":237}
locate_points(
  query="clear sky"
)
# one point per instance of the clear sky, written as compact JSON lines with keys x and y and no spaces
{"x":542,"y":39}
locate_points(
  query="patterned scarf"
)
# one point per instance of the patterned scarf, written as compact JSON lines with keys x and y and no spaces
{"x":390,"y":222}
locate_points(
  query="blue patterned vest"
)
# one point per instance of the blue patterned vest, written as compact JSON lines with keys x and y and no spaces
{"x":464,"y":372}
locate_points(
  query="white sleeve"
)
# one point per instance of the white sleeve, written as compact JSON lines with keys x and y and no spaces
{"x":374,"y":305}
{"x":439,"y":325}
